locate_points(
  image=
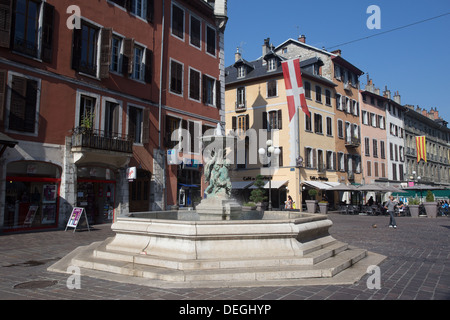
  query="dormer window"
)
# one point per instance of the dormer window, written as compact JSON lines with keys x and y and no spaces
{"x":242,"y":72}
{"x":272,"y":64}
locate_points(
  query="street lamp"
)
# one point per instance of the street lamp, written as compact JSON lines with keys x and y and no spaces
{"x":268,"y":151}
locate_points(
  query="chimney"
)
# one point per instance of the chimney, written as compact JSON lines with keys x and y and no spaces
{"x":302,"y":38}
{"x":397,"y":98}
{"x":220,"y":8}
{"x":266,"y":47}
{"x":338,"y":52}
{"x":237,"y":55}
{"x":436,"y":114}
{"x":387,"y":93}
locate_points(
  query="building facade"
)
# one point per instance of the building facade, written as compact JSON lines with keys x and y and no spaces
{"x":87,"y":88}
{"x":435,"y":171}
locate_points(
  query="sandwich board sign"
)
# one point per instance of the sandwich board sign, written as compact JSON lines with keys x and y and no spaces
{"x":75,"y":219}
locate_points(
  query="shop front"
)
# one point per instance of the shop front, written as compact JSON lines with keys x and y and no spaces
{"x":32,"y":196}
{"x":96,"y":193}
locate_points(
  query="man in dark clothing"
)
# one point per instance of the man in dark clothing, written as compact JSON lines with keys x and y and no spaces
{"x":390,"y":206}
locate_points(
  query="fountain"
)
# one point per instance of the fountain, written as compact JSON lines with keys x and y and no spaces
{"x":220,"y":245}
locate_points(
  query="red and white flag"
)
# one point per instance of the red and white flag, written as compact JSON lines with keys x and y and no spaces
{"x":294,"y":87}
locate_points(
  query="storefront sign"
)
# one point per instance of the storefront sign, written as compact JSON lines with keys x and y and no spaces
{"x":131,"y":173}
{"x":75,"y":218}
{"x":30,"y":215}
{"x":254,"y":178}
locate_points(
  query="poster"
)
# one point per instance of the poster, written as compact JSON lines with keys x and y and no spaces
{"x":30,"y":215}
{"x":75,"y":217}
{"x":48,"y":214}
{"x":49,"y":193}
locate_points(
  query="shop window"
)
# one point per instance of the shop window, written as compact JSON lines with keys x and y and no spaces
{"x":32,"y":195}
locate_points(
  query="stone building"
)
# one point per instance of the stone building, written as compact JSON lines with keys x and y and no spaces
{"x":89,"y":89}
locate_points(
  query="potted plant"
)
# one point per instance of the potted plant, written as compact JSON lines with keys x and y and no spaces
{"x":413,"y":205}
{"x":311,"y":204}
{"x":323,"y":206}
{"x":258,"y":195}
{"x":249,"y":206}
{"x":430,"y":205}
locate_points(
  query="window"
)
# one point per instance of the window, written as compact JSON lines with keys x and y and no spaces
{"x":375,"y":169}
{"x":365,"y":117}
{"x":211,"y":40}
{"x":328,"y":97}
{"x":139,"y":8}
{"x":382,"y":150}
{"x":116,"y":49}
{"x":135,"y":124}
{"x":375,"y":148}
{"x":85,"y":46}
{"x":330,"y":160}
{"x":337,"y":72}
{"x":275,"y":120}
{"x":318,"y":123}
{"x":340,"y":125}
{"x":111,"y":124}
{"x":194,"y":84}
{"x":309,"y":157}
{"x":87,"y":111}
{"x":243,"y":122}
{"x":394,"y":171}
{"x":318,"y":94}
{"x":272,"y":89}
{"x":172,"y":124}
{"x":367,"y":146}
{"x":329,"y":127}
{"x":210,"y":91}
{"x":242,"y":71}
{"x":308,"y":123}
{"x":196,"y":32}
{"x":383,"y":170}
{"x":339,"y":101}
{"x":272,"y":64}
{"x":307,"y":90}
{"x":24,"y":95}
{"x":177,"y":22}
{"x":340,"y":162}
{"x":31,"y":35}
{"x":194,"y":134}
{"x":176,"y":77}
{"x":138,"y":63}
{"x":391,"y":149}
{"x":241,"y":98}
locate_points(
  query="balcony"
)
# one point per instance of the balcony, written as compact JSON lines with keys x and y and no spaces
{"x":99,"y":146}
{"x":352,"y":142}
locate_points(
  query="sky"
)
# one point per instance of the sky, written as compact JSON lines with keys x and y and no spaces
{"x":414,"y":60}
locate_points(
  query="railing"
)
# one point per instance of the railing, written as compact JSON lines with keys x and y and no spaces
{"x":101,"y":140}
{"x":352,"y":142}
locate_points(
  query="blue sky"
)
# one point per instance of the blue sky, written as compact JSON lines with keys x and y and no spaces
{"x":414,"y":61}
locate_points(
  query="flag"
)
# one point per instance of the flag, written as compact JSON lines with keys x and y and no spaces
{"x":294,"y":87}
{"x":421,"y":148}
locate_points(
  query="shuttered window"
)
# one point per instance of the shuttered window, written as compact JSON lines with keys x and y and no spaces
{"x":22,"y":110}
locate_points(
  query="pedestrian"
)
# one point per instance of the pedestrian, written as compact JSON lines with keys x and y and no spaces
{"x":289,"y":203}
{"x":390,"y":206}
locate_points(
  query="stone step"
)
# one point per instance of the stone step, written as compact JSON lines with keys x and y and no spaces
{"x":326,"y":268}
{"x":326,"y":250}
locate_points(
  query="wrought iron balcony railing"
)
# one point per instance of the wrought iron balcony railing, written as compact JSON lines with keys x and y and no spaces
{"x":101,"y":140}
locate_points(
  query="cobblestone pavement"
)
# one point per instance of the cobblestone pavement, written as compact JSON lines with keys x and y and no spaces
{"x":417,"y":266}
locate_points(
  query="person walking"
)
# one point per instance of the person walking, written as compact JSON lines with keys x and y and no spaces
{"x":390,"y":206}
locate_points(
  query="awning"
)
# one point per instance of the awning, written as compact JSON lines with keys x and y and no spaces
{"x":241,"y":184}
{"x":276,"y":184}
{"x":317,"y":185}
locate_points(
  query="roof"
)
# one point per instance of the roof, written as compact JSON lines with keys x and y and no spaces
{"x":258,"y":70}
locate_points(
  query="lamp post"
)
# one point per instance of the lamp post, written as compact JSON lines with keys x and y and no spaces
{"x":268,"y":152}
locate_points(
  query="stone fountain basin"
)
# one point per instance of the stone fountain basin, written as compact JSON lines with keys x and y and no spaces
{"x":182,"y":235}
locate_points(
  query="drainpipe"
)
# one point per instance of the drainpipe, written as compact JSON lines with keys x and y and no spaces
{"x":160,"y":149}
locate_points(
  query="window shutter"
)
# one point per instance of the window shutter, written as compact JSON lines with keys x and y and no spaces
{"x":233,"y":123}
{"x":334,"y":167}
{"x":247,"y":121}
{"x":128,"y":4}
{"x":218,"y":95}
{"x":76,"y":49}
{"x":146,"y":126}
{"x":204,"y":88}
{"x":30,"y":106}
{"x":148,"y":66}
{"x":105,"y":52}
{"x":314,"y":164}
{"x":3,"y":74}
{"x":264,"y":120}
{"x":5,"y":22}
{"x":127,"y":65}
{"x":280,"y":120}
{"x":47,"y":32}
{"x":150,"y":10}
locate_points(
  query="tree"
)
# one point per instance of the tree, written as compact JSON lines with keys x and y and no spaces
{"x":258,"y":195}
